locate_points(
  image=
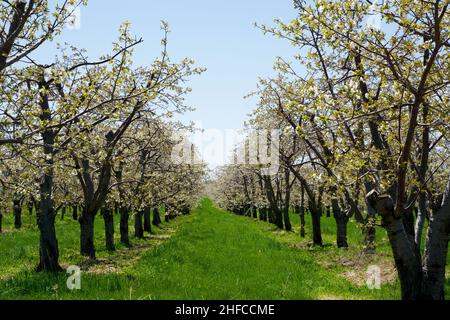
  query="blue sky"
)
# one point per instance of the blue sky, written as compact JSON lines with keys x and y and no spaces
{"x":218,"y":35}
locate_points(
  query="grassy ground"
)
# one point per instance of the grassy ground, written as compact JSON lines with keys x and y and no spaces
{"x":211,"y":255}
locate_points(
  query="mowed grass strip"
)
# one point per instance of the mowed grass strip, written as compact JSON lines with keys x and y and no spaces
{"x":213,"y":255}
{"x":218,"y":255}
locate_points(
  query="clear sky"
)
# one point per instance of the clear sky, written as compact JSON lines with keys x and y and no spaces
{"x":218,"y":35}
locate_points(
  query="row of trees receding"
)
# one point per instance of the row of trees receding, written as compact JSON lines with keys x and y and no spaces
{"x":364,"y":118}
{"x":92,"y":135}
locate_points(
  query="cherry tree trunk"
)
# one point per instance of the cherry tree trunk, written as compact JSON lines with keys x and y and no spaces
{"x":156,"y":217}
{"x":48,"y":250}
{"x":278,"y":218}
{"x":124,"y":232}
{"x":287,"y":200}
{"x":316,"y":228}
{"x":108,"y":218}
{"x":63,"y":212}
{"x":436,"y":250}
{"x":147,"y":220}
{"x":48,"y":243}
{"x":30,"y":206}
{"x":287,"y":219}
{"x":138,"y":226}
{"x":302,"y":222}
{"x":341,"y":224}
{"x":408,"y":264}
{"x":408,"y":221}
{"x":263,"y":214}
{"x":75,"y":213}
{"x":17,"y":214}
{"x":407,"y":261}
{"x":255,"y":212}
{"x":87,"y":247}
{"x":270,"y":215}
{"x":342,"y":232}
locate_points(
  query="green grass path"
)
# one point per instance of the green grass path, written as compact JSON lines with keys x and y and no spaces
{"x":214,"y":255}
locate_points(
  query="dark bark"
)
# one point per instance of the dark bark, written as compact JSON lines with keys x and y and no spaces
{"x":166,"y":218}
{"x":278,"y":218}
{"x":30,"y":206}
{"x":63,"y":212}
{"x":407,"y":262}
{"x":302,"y":212}
{"x":75,"y":213}
{"x":302,"y":222}
{"x":95,"y":197}
{"x":341,"y":223}
{"x":108,"y":218}
{"x":408,"y":266}
{"x":124,"y":232}
{"x":419,"y":280}
{"x":409,"y":223}
{"x":287,"y":219}
{"x":264,"y":214}
{"x":270,"y":215}
{"x":342,"y":232}
{"x":314,"y":208}
{"x":156,"y":217}
{"x":20,"y":14}
{"x":436,"y":250}
{"x":147,"y":220}
{"x":255,"y":212}
{"x":48,"y":249}
{"x":261,"y":214}
{"x":277,"y":215}
{"x":17,"y":213}
{"x":287,"y":200}
{"x":48,"y":243}
{"x":86,"y":221}
{"x":138,"y":225}
{"x":316,"y":228}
